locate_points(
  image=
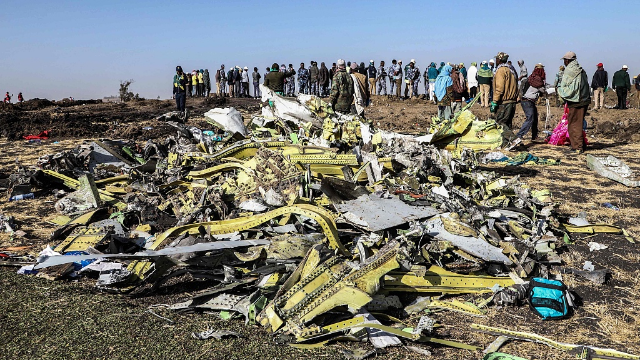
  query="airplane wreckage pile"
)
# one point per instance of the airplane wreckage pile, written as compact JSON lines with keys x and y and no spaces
{"x":310,"y":223}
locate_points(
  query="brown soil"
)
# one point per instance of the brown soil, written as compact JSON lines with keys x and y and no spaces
{"x":608,"y":317}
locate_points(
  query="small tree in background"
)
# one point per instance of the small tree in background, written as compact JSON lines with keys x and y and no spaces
{"x":125,"y":94}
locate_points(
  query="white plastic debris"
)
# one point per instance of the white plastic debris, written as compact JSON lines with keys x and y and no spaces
{"x":588,"y":265}
{"x":440,"y":190}
{"x":228,"y":119}
{"x":594,"y":246}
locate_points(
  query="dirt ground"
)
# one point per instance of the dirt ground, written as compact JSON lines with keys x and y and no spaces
{"x":72,"y":320}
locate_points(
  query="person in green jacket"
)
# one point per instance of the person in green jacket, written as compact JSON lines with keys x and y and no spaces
{"x":621,"y":84}
{"x":485,"y":78}
{"x":574,"y":89}
{"x":342,"y":89}
{"x":274,"y":80}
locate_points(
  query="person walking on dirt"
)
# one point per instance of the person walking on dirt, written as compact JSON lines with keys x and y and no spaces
{"x":574,"y":89}
{"x":180,"y":84}
{"x":537,"y":82}
{"x":20,"y":98}
{"x":342,"y":89}
{"x":599,"y":84}
{"x":622,"y":85}
{"x":207,"y":82}
{"x":505,"y":92}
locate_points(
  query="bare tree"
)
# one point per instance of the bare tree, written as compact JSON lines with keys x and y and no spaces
{"x":125,"y":94}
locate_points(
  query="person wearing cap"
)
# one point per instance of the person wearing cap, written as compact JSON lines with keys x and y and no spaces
{"x":472,"y":80}
{"x":574,"y":89}
{"x":303,"y":80}
{"x":341,"y":89}
{"x":290,"y":82}
{"x":221,"y":81}
{"x":381,"y":79}
{"x":274,"y":80}
{"x":505,"y":92}
{"x":313,"y":78}
{"x":485,"y":78}
{"x":599,"y":83}
{"x":393,"y":72}
{"x":636,"y":83}
{"x":537,"y":82}
{"x":372,"y":75}
{"x":622,"y":85}
{"x":179,"y":88}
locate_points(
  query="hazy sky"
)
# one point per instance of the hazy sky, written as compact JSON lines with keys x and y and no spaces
{"x":54,"y":48}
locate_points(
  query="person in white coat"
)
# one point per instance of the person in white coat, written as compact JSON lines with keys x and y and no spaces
{"x":472,"y":80}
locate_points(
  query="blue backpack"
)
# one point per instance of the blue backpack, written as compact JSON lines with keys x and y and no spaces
{"x":549,"y":298}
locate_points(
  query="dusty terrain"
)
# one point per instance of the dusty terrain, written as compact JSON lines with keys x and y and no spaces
{"x":71,"y":320}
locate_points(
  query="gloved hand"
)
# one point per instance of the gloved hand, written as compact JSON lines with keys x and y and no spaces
{"x":493,"y":107}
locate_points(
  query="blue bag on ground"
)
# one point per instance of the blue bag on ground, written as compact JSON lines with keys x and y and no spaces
{"x":549,"y":298}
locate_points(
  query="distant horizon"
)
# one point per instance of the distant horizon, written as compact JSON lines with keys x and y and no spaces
{"x":55,"y":50}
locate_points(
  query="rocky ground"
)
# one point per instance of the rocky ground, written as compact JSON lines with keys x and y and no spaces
{"x":72,"y":320}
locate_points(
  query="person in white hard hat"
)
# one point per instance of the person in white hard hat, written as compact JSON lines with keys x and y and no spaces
{"x":621,"y":84}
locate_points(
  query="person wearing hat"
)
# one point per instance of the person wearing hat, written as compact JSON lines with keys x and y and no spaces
{"x":393,"y":72}
{"x":505,"y":92}
{"x":303,"y":80}
{"x":179,"y":88}
{"x":485,"y":79}
{"x":372,"y":75}
{"x":221,"y":81}
{"x":245,"y":82}
{"x":341,"y":89}
{"x":622,"y":85}
{"x":574,"y":89}
{"x":599,"y":83}
{"x":274,"y":80}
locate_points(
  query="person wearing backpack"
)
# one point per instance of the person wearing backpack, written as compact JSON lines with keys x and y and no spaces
{"x":537,"y":82}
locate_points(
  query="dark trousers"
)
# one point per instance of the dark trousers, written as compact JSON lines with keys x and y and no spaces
{"x":473,"y":92}
{"x":181,"y":99}
{"x":622,"y":98}
{"x":531,"y":121}
{"x":505,"y":113}
{"x":575,"y":121}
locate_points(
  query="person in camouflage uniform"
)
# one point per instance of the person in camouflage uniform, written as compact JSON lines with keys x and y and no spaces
{"x":414,"y":78}
{"x":392,"y":75}
{"x":313,"y":78}
{"x":303,"y":80}
{"x":342,"y":89}
{"x":382,"y":79}
{"x":291,"y":82}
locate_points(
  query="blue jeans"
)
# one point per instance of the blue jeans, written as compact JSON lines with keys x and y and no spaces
{"x":181,"y":99}
{"x":531,"y":121}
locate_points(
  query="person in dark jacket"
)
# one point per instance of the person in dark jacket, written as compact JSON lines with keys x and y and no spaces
{"x":231,"y":81}
{"x":323,"y":80}
{"x":372,"y":74}
{"x":621,"y":84}
{"x":179,"y":88}
{"x":599,"y":84}
{"x":332,"y":72}
{"x":361,"y":69}
{"x":313,"y":78}
{"x":274,"y":80}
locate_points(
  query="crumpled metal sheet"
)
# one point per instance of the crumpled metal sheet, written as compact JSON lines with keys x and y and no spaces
{"x":375,"y":213}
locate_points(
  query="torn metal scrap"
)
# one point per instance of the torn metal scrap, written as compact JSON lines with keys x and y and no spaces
{"x":612,"y":168}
